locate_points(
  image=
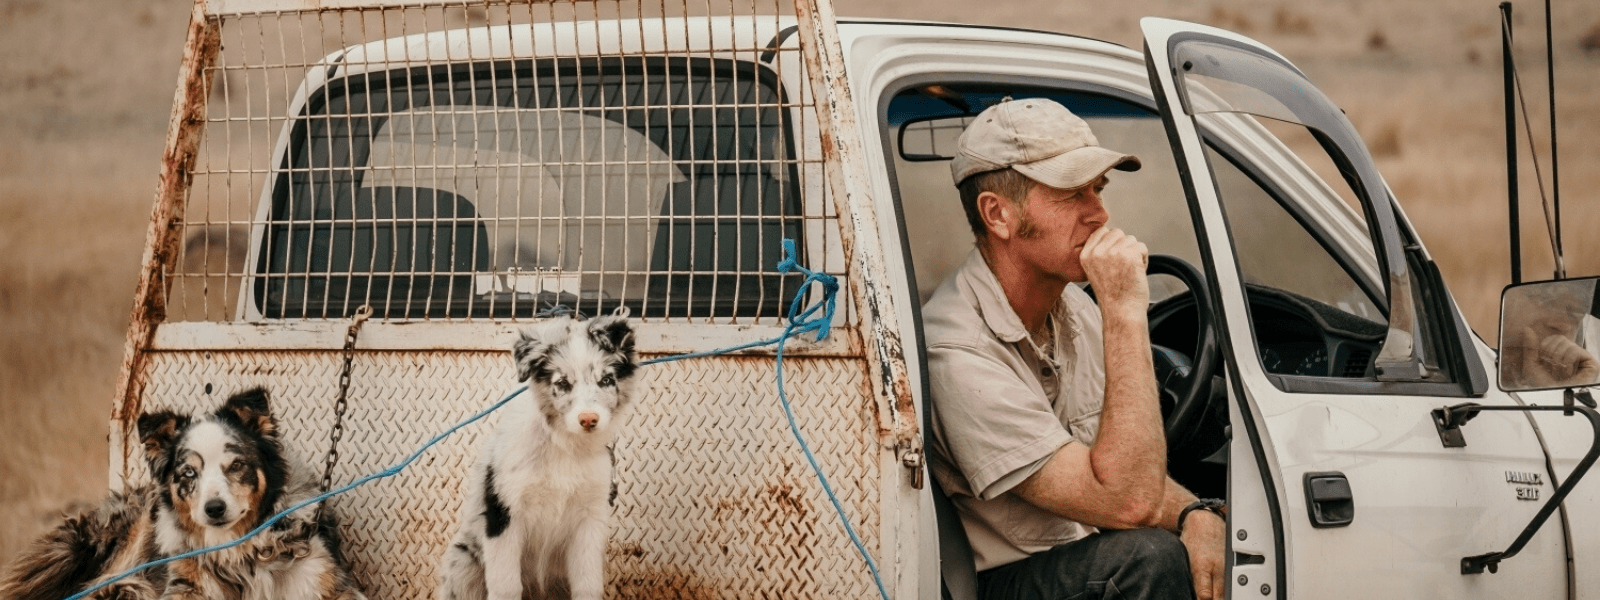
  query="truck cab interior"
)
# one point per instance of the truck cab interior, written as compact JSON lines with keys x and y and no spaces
{"x":1314,"y":312}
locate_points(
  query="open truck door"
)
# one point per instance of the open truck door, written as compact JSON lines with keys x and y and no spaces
{"x":1340,"y":341}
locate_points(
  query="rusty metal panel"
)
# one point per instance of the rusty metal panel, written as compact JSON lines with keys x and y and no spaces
{"x":177,"y":163}
{"x":850,"y":186}
{"x":715,"y":499}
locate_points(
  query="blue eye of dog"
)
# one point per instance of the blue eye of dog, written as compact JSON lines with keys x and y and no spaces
{"x":188,"y":473}
{"x":608,"y":380}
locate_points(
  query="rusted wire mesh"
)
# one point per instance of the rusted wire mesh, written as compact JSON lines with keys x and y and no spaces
{"x":493,"y":160}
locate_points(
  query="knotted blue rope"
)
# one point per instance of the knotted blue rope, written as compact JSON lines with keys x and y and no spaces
{"x":800,"y":321}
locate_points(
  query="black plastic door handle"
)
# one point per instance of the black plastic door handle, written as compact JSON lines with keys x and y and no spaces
{"x":1329,"y":501}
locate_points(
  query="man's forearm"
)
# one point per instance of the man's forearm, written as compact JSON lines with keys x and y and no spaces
{"x":1129,"y":454}
{"x":1172,"y":504}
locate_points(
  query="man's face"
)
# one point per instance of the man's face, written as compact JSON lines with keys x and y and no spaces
{"x":1053,"y":225}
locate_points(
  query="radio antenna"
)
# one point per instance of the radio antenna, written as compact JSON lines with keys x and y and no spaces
{"x":1555,"y":157}
{"x":1511,"y":143}
{"x":1516,"y":99}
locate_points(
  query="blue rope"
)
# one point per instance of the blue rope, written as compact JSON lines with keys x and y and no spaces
{"x":800,"y":321}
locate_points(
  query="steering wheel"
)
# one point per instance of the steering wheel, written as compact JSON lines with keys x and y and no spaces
{"x":1190,"y":391}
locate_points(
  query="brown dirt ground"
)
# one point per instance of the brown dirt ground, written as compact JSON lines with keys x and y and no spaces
{"x":86,"y":88}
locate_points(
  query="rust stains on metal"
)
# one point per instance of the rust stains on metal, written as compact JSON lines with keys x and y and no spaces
{"x":786,"y":500}
{"x":849,"y":185}
{"x":626,"y":550}
{"x":668,"y":582}
{"x":830,"y":152}
{"x":184,"y":130}
{"x":894,"y":352}
{"x":869,"y":389}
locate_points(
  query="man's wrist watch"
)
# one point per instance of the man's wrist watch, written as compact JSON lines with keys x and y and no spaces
{"x":1210,"y":504}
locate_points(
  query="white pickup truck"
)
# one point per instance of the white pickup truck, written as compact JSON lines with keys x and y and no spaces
{"x":463,"y":176}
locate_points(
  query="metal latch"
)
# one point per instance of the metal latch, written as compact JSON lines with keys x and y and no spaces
{"x":912,"y":459}
{"x":1448,"y":422}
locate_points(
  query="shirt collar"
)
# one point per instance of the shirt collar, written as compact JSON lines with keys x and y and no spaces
{"x":997,"y":312}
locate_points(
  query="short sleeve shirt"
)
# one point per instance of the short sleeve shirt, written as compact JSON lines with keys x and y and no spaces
{"x":1000,"y":411}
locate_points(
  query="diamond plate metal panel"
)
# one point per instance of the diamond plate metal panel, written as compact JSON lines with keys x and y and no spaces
{"x":715,"y":499}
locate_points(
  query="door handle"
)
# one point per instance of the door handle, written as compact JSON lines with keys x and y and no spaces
{"x":1329,"y":501}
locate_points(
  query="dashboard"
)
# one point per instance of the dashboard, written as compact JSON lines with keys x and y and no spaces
{"x":1295,"y":335}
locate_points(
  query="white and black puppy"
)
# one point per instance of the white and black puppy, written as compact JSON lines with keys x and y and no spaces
{"x":214,"y":478}
{"x":538,"y":511}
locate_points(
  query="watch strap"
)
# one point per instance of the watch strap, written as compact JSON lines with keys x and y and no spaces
{"x":1213,"y":505}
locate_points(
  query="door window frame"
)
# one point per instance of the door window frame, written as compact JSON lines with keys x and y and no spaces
{"x":1435,"y":312}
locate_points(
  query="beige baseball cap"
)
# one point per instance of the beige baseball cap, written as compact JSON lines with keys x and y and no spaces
{"x":1039,"y":138}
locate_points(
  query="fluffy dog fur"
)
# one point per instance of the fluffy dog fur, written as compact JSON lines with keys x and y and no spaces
{"x":538,"y":513}
{"x":214,"y":478}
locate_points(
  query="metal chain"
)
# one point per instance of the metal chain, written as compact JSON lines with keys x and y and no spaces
{"x":350,"y":335}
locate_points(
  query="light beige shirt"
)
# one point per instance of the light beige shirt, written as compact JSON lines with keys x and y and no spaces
{"x":1000,"y":411}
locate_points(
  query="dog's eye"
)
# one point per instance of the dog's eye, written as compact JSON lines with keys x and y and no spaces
{"x":561,"y":386}
{"x":236,"y":466}
{"x":608,"y":380}
{"x":187,"y":473}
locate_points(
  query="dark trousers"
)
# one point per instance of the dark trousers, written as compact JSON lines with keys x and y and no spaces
{"x":1132,"y":563}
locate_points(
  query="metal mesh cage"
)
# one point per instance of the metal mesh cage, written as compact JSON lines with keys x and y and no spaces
{"x":492,"y":160}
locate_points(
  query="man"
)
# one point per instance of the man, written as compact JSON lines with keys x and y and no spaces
{"x":1047,"y":428}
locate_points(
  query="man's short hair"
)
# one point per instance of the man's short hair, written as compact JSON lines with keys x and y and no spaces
{"x":1007,"y":182}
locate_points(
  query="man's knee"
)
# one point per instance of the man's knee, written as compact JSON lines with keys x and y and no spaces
{"x":1149,"y":552}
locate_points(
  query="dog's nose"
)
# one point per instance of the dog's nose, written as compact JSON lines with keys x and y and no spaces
{"x":215,"y":508}
{"x":588,"y":420}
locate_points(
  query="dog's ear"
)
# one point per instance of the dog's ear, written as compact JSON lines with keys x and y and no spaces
{"x":159,"y":431}
{"x":613,"y":333}
{"x":531,"y":353}
{"x":251,"y":411}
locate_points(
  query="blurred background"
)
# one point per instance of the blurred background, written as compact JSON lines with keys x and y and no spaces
{"x":86,"y":90}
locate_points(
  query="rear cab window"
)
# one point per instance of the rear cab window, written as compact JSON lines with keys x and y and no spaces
{"x":511,"y":188}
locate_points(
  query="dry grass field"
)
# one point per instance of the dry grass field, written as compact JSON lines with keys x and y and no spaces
{"x":86,"y":87}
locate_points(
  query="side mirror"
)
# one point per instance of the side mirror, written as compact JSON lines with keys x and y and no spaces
{"x":929,"y":139}
{"x":1550,"y":335}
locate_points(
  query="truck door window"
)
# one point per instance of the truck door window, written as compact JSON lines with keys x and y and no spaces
{"x":1297,"y":287}
{"x":1148,"y":203}
{"x":1333,"y":291}
{"x":507,"y":188}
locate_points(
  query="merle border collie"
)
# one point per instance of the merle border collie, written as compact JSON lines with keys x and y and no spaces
{"x":538,"y":512}
{"x":214,"y":478}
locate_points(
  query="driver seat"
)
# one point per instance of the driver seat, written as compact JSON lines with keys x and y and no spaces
{"x":957,"y":570}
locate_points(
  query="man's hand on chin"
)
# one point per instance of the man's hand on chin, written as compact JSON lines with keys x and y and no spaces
{"x":1204,"y":536}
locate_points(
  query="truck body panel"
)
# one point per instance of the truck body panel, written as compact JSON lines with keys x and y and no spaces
{"x":463,"y":170}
